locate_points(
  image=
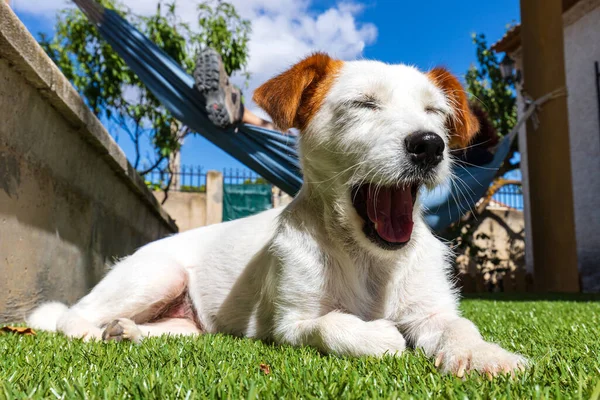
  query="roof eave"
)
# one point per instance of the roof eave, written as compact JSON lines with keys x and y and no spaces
{"x":511,"y":41}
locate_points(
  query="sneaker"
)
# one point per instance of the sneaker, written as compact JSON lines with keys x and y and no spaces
{"x":223,"y":100}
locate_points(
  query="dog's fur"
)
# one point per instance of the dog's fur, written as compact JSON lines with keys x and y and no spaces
{"x":307,"y":274}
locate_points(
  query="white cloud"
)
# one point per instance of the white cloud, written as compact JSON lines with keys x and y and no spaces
{"x":281,"y":39}
{"x":283,"y":31}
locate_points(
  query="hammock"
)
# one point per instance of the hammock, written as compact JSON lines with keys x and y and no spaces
{"x":271,"y":154}
{"x":447,"y":203}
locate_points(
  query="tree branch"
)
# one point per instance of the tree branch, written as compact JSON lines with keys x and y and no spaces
{"x":156,"y":164}
{"x":166,"y":189}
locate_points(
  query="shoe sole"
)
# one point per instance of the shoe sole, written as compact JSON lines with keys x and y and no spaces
{"x":210,"y":79}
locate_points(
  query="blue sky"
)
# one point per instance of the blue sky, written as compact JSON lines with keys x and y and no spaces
{"x":425,"y":34}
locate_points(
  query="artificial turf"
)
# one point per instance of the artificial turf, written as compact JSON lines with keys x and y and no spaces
{"x":560,"y":336}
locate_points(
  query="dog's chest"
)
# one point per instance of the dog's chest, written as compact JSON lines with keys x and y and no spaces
{"x":360,"y":289}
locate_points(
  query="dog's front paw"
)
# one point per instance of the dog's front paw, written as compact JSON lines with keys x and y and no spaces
{"x":386,"y":338}
{"x":122,"y":329}
{"x":484,"y":357}
{"x":347,"y":335}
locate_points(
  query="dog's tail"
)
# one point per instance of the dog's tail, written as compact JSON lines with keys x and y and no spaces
{"x":46,"y":316}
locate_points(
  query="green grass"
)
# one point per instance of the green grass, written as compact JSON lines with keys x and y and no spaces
{"x":561,"y":337}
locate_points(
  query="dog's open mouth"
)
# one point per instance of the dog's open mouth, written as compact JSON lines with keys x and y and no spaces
{"x":387,"y":211}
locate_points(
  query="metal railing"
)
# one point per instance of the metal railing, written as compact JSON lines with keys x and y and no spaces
{"x":187,"y":179}
{"x":193,"y":179}
{"x":510,"y":196}
{"x":241,"y":177}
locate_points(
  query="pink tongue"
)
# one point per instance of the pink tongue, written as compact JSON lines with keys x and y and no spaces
{"x":391,"y":211}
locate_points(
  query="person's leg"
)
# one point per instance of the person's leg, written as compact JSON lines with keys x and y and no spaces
{"x":250,"y":118}
{"x":136,"y":289}
{"x":223,"y":100}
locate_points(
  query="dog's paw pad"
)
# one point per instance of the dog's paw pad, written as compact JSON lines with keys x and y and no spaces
{"x":122,"y":329}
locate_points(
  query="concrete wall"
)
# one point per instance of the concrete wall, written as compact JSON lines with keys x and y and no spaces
{"x":187,"y":209}
{"x":214,"y":197}
{"x":280,"y":198}
{"x":69,"y":200}
{"x":193,"y":210}
{"x":500,"y":234}
{"x":582,"y":48}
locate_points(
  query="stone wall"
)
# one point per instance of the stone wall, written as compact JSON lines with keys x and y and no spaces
{"x":70,"y":203}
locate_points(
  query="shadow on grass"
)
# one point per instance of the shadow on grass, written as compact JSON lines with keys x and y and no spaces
{"x":576,"y":297}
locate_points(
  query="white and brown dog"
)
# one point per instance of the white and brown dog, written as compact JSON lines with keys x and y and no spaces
{"x":349,"y":267}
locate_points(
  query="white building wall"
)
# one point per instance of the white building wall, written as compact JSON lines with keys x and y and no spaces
{"x":582,"y":49}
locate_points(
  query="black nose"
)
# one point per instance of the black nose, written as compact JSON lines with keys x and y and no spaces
{"x":426,"y":149}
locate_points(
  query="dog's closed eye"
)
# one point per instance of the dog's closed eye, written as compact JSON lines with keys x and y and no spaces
{"x":366,"y":101}
{"x":435,"y":110}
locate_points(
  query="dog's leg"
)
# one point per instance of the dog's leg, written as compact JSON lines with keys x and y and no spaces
{"x":299,"y":282}
{"x":126,"y":329}
{"x":134,"y":289}
{"x":170,"y":326}
{"x":461,"y":349}
{"x":457,"y":345}
{"x":344,"y":334}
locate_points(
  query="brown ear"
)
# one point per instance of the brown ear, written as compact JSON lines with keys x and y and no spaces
{"x":463,"y":124}
{"x":294,"y":96}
